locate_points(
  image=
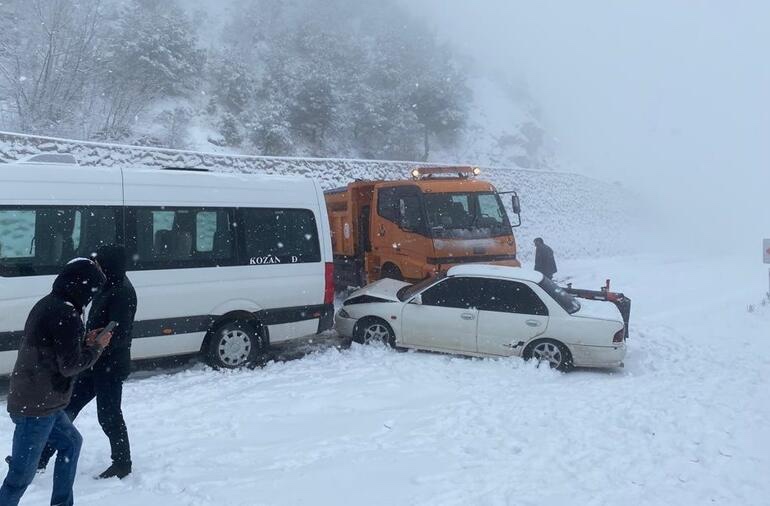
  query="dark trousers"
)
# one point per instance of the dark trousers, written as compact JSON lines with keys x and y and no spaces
{"x":29,"y":438}
{"x":108,"y":391}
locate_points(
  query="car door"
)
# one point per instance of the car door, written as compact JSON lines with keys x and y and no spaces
{"x":400,"y":236}
{"x":510,"y":314}
{"x":446,"y":317}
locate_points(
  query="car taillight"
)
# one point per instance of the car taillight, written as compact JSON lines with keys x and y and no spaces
{"x":619,"y":336}
{"x":329,"y":283}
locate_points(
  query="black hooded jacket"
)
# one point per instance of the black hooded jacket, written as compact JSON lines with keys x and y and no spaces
{"x":52,"y":351}
{"x":544,"y":260}
{"x":116,"y":302}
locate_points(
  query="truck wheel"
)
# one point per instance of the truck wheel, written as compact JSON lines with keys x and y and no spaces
{"x":233,"y":344}
{"x":391,"y":271}
{"x":551,"y":351}
{"x":372,"y":330}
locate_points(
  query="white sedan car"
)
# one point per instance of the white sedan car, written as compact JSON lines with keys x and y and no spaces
{"x":487,"y":311}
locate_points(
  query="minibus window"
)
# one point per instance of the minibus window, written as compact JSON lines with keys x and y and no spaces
{"x":278,"y":236}
{"x":17,"y":234}
{"x":167,"y":238}
{"x":38,"y":240}
{"x":205,"y":227}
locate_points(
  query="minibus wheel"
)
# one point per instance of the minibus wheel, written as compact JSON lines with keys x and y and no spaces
{"x":233,"y":344}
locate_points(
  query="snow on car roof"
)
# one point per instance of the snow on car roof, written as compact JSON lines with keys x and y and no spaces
{"x":498,"y":271}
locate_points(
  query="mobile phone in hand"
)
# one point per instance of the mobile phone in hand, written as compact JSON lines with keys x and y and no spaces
{"x":110,"y":326}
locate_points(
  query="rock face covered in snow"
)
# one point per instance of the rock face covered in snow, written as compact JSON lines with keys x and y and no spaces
{"x":576,"y":215}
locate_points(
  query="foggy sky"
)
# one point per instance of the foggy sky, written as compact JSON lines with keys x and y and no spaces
{"x":669,"y":97}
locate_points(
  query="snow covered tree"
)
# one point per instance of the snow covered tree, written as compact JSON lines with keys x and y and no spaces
{"x":175,"y":123}
{"x":152,"y":52}
{"x":312,"y":110}
{"x":229,"y":128}
{"x":343,"y":74}
{"x":48,"y":55}
{"x":232,"y":83}
{"x":291,"y":77}
{"x":440,"y":109}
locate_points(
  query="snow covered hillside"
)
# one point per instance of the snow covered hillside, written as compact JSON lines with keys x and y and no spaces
{"x":578,"y":216}
{"x":503,"y":130}
{"x":687,"y":421}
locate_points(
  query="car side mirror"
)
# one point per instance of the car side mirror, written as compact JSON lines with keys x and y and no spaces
{"x":417,"y":299}
{"x":515,"y":204}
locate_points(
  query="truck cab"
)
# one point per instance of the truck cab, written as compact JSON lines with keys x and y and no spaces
{"x":411,"y":229}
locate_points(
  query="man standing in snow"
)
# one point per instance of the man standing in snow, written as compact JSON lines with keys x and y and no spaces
{"x":544,"y":260}
{"x":53,"y":351}
{"x":104,"y":381}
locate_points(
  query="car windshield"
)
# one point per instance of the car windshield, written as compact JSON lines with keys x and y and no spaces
{"x":565,"y":299}
{"x":457,"y":215}
{"x":407,"y":292}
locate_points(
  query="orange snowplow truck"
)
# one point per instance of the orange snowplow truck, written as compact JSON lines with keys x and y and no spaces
{"x":413,"y":228}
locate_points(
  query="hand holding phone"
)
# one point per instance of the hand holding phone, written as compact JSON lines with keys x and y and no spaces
{"x":101,"y":337}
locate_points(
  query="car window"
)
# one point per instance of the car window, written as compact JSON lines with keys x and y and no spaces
{"x":566,"y":300}
{"x":502,"y":296}
{"x":453,"y":292}
{"x":410,"y":291}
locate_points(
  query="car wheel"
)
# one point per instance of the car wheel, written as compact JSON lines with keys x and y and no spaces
{"x":234,"y":344}
{"x":553,"y":352}
{"x":374,"y":330}
{"x":391,"y":271}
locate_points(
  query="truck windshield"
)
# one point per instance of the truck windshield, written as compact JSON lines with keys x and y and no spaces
{"x":466,"y":215}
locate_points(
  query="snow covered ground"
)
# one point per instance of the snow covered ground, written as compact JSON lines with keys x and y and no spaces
{"x":687,"y":421}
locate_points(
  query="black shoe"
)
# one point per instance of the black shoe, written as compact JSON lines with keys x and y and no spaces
{"x":116,"y":470}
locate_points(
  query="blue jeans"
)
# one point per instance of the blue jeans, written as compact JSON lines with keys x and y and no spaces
{"x":29,"y":438}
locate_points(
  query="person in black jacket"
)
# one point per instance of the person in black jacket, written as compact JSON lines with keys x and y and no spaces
{"x":104,"y":381}
{"x":544,"y":260}
{"x":54,"y":349}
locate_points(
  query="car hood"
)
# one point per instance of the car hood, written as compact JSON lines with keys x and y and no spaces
{"x":598,"y":310}
{"x":383,"y":289}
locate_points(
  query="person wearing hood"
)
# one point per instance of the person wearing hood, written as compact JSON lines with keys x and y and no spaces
{"x":55,"y":348}
{"x":544,"y":260}
{"x":104,"y":381}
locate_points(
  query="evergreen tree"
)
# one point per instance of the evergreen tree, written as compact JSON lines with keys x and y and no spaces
{"x":152,"y":52}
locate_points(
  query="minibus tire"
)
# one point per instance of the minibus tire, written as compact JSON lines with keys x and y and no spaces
{"x":233,"y":344}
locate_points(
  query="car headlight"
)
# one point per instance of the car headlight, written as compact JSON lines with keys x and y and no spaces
{"x":343,"y":314}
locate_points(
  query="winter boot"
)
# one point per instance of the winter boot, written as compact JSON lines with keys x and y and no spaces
{"x":116,"y":470}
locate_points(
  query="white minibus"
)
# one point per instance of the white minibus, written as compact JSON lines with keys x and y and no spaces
{"x":223,"y":264}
